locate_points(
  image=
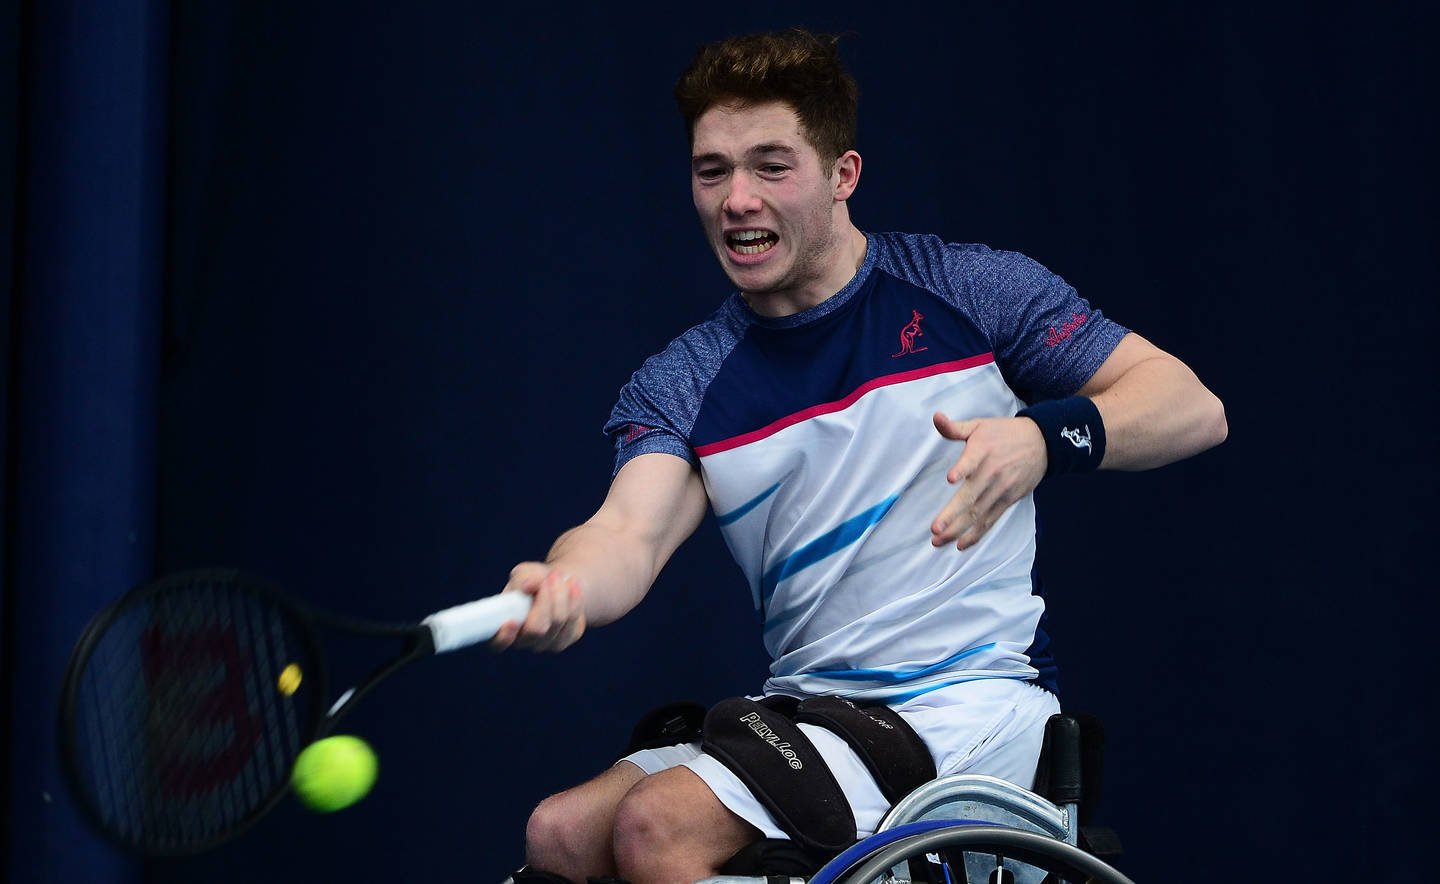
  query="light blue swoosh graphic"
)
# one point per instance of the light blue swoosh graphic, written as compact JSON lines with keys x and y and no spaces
{"x":897,"y":699}
{"x":822,"y":547}
{"x":892,"y":676}
{"x":746,"y":507}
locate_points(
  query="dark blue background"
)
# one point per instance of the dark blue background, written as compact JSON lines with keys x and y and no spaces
{"x":409,"y":255}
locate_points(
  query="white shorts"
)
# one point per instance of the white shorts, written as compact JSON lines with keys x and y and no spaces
{"x":989,"y":726}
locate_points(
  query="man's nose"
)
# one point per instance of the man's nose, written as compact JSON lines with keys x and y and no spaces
{"x":743,"y":197}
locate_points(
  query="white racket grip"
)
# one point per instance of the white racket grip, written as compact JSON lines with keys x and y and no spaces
{"x":477,"y":621}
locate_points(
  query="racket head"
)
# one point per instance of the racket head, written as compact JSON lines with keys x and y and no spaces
{"x":180,"y":714}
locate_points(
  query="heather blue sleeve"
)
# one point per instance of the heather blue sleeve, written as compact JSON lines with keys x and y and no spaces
{"x":657,"y":408}
{"x":649,"y":416}
{"x":1047,"y":340}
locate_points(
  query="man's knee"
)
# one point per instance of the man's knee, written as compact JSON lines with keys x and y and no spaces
{"x":553,"y":839}
{"x":672,"y":825}
{"x":646,"y":822}
{"x":569,"y":833}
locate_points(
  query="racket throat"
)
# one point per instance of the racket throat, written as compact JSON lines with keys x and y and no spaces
{"x":340,"y":703}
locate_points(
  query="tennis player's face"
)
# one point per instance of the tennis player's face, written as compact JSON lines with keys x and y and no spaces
{"x":768,"y":207}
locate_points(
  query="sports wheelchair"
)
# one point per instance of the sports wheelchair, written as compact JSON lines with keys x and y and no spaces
{"x":974,"y":829}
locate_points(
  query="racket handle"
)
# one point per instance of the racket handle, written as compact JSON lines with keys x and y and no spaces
{"x":477,"y":621}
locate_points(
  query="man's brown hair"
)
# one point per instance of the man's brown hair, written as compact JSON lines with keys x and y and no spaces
{"x":794,"y":66}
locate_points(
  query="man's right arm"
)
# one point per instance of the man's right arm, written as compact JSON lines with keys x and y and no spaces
{"x":599,"y":570}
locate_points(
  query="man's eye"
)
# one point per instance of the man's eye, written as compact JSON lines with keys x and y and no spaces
{"x":774,"y":169}
{"x":709,"y":174}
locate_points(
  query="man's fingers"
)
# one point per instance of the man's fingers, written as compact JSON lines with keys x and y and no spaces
{"x":975,"y":507}
{"x":505,"y":636}
{"x":568,"y":628}
{"x":985,"y":511}
{"x":964,"y":527}
{"x":556,"y":619}
{"x":977,"y":513}
{"x":562,"y":601}
{"x":570,"y":634}
{"x":964,"y":468}
{"x":525,"y":577}
{"x":955,"y":517}
{"x":974,"y":454}
{"x":956,"y":430}
{"x":538,"y":621}
{"x":978,"y":526}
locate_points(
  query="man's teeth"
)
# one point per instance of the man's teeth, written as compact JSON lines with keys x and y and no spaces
{"x":759,"y":240}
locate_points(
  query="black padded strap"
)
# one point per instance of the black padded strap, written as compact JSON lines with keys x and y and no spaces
{"x":783,"y":770}
{"x":895,"y":755}
{"x":668,"y":725}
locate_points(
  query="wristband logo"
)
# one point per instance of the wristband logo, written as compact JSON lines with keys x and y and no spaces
{"x":1074,"y":438}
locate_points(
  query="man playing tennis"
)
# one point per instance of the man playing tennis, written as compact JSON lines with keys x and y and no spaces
{"x":825,"y":455}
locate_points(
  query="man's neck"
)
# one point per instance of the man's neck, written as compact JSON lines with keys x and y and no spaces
{"x":849,"y":255}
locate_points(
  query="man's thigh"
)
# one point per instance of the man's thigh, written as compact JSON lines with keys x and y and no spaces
{"x":602,"y":794}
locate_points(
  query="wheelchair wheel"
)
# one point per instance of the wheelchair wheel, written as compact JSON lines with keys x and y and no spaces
{"x":960,"y":841}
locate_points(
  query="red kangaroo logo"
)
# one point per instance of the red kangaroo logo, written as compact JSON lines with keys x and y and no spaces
{"x":908,"y":334}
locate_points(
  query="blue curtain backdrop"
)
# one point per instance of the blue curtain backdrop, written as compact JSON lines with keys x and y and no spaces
{"x":409,"y":255}
{"x":80,"y":502}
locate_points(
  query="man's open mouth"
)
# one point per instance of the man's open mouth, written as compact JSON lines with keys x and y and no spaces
{"x":751,"y":242}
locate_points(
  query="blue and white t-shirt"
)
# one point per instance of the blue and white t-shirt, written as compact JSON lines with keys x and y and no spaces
{"x":814,"y":437}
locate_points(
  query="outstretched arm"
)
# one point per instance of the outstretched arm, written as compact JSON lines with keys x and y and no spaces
{"x":1155,"y":411}
{"x":599,"y":570}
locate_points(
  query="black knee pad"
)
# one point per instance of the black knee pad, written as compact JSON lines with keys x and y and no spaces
{"x":896,"y":757}
{"x":783,"y":770}
{"x":760,"y":742}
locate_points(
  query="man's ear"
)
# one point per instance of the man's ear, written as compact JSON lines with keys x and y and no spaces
{"x":846,"y":175}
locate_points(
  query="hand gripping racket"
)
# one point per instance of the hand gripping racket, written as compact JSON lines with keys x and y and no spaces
{"x":186,"y":701}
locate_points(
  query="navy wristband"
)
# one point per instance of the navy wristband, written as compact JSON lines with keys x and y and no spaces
{"x":1074,"y":434}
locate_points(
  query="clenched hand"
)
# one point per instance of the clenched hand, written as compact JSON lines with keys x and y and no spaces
{"x":557,"y":617}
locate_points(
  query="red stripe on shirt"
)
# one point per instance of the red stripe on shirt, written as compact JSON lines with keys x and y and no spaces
{"x":842,"y":404}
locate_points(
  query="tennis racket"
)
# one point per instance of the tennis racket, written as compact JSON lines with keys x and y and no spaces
{"x":186,"y":701}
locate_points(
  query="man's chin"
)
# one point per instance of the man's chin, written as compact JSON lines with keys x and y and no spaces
{"x":751,"y":290}
{"x":751,"y":281}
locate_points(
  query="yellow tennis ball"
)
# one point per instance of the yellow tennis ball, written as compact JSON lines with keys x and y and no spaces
{"x":289,"y":681}
{"x":334,"y":773}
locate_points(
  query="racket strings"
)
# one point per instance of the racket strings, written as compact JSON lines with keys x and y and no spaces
{"x":184,"y":722}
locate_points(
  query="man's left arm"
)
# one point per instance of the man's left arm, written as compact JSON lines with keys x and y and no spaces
{"x":1154,"y":410}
